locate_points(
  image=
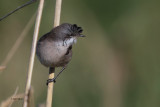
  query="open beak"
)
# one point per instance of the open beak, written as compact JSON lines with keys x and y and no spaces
{"x":82,"y":36}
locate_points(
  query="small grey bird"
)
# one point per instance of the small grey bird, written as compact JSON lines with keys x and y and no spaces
{"x":54,"y":49}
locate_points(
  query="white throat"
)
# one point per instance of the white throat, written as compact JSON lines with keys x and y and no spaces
{"x":68,"y":41}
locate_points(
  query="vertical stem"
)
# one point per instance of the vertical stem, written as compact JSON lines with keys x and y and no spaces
{"x":57,"y":13}
{"x":31,"y":63}
{"x":51,"y":74}
{"x":50,"y":88}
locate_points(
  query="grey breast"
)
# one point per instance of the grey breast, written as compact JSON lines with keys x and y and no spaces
{"x":52,"y":53}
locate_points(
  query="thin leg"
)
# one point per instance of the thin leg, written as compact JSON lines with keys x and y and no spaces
{"x":28,"y":3}
{"x":54,"y":79}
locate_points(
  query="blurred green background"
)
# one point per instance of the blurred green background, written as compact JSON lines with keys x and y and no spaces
{"x":116,"y":65}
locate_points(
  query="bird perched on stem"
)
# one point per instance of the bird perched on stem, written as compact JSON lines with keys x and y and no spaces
{"x":54,"y":49}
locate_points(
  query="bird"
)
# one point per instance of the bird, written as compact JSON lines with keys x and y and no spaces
{"x":54,"y":49}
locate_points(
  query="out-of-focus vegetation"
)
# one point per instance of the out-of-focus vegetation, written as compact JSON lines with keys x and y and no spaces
{"x":116,"y":65}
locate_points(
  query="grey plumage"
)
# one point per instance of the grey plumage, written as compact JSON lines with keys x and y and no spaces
{"x":54,"y":49}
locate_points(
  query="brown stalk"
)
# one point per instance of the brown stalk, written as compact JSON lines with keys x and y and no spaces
{"x":33,"y":50}
{"x":51,"y":73}
{"x":8,"y":102}
{"x":31,"y":98}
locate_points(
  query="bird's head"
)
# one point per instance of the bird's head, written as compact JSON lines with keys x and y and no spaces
{"x":68,"y":32}
{"x":75,"y":31}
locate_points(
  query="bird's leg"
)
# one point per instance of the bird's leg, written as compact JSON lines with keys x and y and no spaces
{"x":54,"y":79}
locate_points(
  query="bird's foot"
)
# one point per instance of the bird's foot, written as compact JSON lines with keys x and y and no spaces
{"x":51,"y":80}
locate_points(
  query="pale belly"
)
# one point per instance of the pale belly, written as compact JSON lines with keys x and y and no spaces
{"x":52,"y":55}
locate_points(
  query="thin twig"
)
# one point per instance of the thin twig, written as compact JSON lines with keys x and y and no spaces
{"x":31,"y":98}
{"x":57,"y":13}
{"x":50,"y":88}
{"x":26,"y":4}
{"x":51,"y":74}
{"x":33,"y":50}
{"x":14,"y":96}
{"x":17,"y":43}
{"x":8,"y":102}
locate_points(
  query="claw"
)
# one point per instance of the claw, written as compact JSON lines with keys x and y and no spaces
{"x":54,"y":80}
{"x":49,"y":80}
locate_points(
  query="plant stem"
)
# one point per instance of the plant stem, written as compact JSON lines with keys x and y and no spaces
{"x":33,"y":50}
{"x":57,"y":13}
{"x":51,"y":74}
{"x":50,"y":88}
